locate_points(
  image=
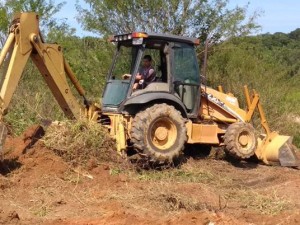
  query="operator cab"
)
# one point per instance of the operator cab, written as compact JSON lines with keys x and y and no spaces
{"x":175,"y":63}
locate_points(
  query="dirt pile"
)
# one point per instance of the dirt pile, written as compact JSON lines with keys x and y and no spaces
{"x":9,"y":217}
{"x":38,"y":186}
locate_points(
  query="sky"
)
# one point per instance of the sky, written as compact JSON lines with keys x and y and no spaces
{"x":276,"y":15}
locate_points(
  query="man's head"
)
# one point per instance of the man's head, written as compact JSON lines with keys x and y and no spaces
{"x":147,"y":60}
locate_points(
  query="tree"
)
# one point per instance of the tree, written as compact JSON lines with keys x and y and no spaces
{"x":45,"y":8}
{"x":295,"y":34}
{"x":199,"y":18}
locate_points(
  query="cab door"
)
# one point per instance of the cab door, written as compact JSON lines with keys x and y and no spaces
{"x":186,"y":76}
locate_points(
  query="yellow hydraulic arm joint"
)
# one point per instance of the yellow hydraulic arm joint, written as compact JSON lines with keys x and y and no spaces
{"x":25,"y":41}
{"x":252,"y":104}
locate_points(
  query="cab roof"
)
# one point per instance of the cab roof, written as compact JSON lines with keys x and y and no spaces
{"x":157,"y":36}
{"x":175,"y":38}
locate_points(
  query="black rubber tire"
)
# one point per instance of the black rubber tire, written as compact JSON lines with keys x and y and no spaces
{"x":231,"y":140}
{"x":141,"y":137}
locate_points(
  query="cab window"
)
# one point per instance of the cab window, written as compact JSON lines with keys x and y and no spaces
{"x":185,"y":64}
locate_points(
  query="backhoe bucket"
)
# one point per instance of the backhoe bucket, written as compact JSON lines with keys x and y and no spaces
{"x":277,"y":149}
{"x":3,"y":134}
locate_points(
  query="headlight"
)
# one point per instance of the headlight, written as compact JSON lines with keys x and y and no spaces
{"x":137,"y":41}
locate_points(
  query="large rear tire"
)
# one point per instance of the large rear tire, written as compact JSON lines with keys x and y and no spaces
{"x":159,"y":133}
{"x":240,"y":140}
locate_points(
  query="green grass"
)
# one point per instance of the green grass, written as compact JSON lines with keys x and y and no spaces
{"x":42,"y":211}
{"x":176,"y":175}
{"x":269,"y":204}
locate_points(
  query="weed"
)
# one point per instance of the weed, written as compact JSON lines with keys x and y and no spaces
{"x":184,"y":175}
{"x":175,"y":176}
{"x":115,"y":171}
{"x":72,"y":177}
{"x":176,"y":202}
{"x":270,"y":204}
{"x":80,"y":141}
{"x":42,"y":209}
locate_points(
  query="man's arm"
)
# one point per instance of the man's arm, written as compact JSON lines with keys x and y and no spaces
{"x":138,"y":77}
{"x":126,"y":76}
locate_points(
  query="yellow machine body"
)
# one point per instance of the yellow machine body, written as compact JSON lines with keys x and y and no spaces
{"x":272,"y":148}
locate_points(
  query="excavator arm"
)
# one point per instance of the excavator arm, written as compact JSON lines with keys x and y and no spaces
{"x":25,"y":41}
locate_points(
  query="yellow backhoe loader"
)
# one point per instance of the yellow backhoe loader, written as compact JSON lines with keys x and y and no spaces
{"x":157,"y":121}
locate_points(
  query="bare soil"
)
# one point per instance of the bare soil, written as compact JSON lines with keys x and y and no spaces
{"x":39,"y":187}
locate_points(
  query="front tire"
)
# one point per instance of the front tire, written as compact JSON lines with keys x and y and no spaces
{"x":240,"y":140}
{"x":159,"y":133}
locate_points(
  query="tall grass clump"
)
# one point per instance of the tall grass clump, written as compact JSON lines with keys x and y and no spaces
{"x":80,"y":141}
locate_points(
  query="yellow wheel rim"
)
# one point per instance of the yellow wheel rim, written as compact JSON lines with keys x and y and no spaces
{"x":245,"y":141}
{"x":163,"y":133}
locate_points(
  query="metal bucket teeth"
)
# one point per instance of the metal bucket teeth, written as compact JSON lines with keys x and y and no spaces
{"x":288,"y":157}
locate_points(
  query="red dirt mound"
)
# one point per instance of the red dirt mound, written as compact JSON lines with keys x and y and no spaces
{"x":39,"y":187}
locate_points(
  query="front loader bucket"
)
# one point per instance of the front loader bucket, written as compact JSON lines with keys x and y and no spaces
{"x":277,"y":150}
